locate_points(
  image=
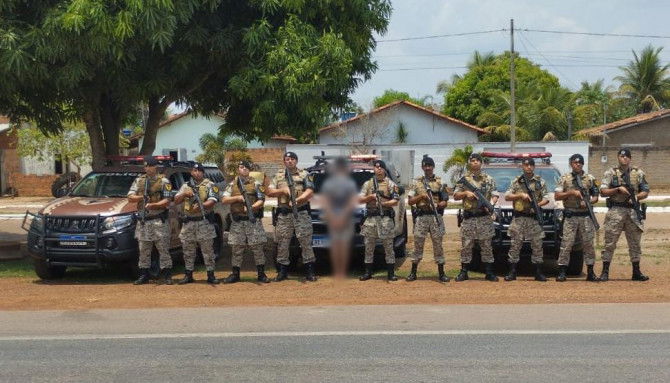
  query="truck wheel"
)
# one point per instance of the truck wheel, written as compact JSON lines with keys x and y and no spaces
{"x":576,"y":263}
{"x":64,"y":181}
{"x":46,"y":272}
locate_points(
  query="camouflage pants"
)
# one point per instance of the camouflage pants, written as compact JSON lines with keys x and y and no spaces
{"x":198,"y":233}
{"x":620,"y":219}
{"x":423,"y":226}
{"x":245,"y":234}
{"x":154,"y":232}
{"x":571,"y":228}
{"x":382,"y":228}
{"x":525,"y":228}
{"x":481,"y":229}
{"x":302,"y":227}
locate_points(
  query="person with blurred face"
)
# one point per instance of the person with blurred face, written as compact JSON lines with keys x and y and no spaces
{"x":617,"y":185}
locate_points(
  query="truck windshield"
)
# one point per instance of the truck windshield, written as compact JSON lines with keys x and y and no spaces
{"x":358,"y":176}
{"x":104,"y":185}
{"x":505,"y":176}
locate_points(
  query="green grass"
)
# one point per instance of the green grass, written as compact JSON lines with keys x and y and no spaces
{"x":17,"y":269}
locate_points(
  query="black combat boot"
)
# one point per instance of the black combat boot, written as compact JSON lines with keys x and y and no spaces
{"x":143,"y":278}
{"x":412,"y":274}
{"x":282,"y":273}
{"x":561,"y":277}
{"x":637,"y":274}
{"x":463,"y":275}
{"x":441,"y":276}
{"x":188,"y":278}
{"x":590,"y":274}
{"x":167,"y":276}
{"x":511,"y":274}
{"x":539,"y":276}
{"x":233,"y":277}
{"x":390,"y":272}
{"x":490,"y":274}
{"x":605,"y":275}
{"x":211,"y":279}
{"x":261,"y":274}
{"x":309,"y":272}
{"x":368,"y":272}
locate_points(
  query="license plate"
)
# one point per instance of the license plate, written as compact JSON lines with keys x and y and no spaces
{"x":72,"y":243}
{"x":320,"y":241}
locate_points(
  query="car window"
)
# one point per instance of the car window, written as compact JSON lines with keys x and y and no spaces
{"x":358,"y":176}
{"x":504,"y":177}
{"x":104,"y":185}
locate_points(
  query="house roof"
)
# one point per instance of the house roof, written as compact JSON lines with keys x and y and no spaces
{"x":626,"y":122}
{"x":178,"y":116}
{"x":410,"y":104}
{"x":4,"y":120}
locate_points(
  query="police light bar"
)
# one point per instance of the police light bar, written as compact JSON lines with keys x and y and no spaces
{"x":516,"y":156}
{"x":137,"y":158}
{"x":363,"y":157}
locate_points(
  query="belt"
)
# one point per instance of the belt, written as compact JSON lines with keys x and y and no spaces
{"x":161,"y":215}
{"x":238,"y":218}
{"x":284,"y":210}
{"x":468,"y":214}
{"x":191,"y":219}
{"x":375,"y":213}
{"x":570,"y":214}
{"x":621,"y":204}
{"x":420,"y":213}
{"x":521,"y":214}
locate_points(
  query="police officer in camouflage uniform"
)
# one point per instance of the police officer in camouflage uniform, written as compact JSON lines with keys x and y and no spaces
{"x":576,"y":219}
{"x":477,"y":220}
{"x":621,"y":215}
{"x":379,"y":224}
{"x":524,"y":223}
{"x":243,"y":232}
{"x":195,"y":229}
{"x":425,"y":223}
{"x":287,"y":224}
{"x":152,"y":227}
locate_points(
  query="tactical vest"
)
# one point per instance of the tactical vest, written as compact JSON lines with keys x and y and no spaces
{"x":238,"y":208}
{"x":574,"y":203}
{"x":435,"y":186}
{"x":485,"y":187}
{"x":384,"y":188}
{"x":617,"y":180}
{"x":298,"y":181}
{"x":155,"y":192}
{"x":190,"y":203}
{"x":522,"y":205}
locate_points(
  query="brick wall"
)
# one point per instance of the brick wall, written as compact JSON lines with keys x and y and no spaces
{"x":653,"y":160}
{"x":30,"y":185}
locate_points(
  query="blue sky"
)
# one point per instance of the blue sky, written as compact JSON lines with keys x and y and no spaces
{"x":572,"y":58}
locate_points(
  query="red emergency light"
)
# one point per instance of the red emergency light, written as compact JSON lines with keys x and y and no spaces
{"x":519,"y":156}
{"x":138,"y":158}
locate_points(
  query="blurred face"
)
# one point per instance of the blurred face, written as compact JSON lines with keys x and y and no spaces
{"x":151,"y":170}
{"x":197,"y":174}
{"x":528,"y":168}
{"x":475,"y":165}
{"x":576,"y":166}
{"x":243,"y":171}
{"x":379,"y":171}
{"x":290,"y":162}
{"x":624,"y":160}
{"x":428,"y":169}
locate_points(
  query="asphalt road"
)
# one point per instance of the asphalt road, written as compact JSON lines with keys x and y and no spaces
{"x":346,"y":343}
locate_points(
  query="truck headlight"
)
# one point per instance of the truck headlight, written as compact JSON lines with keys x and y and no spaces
{"x":37,"y":222}
{"x":117,"y":223}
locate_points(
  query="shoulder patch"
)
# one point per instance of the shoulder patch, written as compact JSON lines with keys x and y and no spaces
{"x":215,"y":188}
{"x":168,"y":186}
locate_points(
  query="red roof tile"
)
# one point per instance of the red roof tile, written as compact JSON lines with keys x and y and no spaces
{"x":630,"y":121}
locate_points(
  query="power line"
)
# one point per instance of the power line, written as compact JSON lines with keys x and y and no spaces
{"x":425,"y":68}
{"x":546,"y":59}
{"x":596,"y":34}
{"x":440,"y":36}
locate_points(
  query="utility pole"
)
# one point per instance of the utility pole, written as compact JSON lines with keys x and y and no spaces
{"x":569,"y":125}
{"x":511,"y":86}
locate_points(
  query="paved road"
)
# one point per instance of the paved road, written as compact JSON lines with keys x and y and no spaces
{"x":396,"y":343}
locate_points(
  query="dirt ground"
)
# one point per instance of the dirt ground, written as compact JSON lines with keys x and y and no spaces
{"x":32,"y":294}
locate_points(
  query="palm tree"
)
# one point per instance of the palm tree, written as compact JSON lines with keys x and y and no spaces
{"x":455,"y":165}
{"x":214,"y":148}
{"x":645,"y":81}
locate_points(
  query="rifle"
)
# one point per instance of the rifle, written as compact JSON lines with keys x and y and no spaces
{"x":586,"y":197}
{"x":196,"y":195}
{"x":433,"y":208}
{"x":145,"y":201}
{"x":247,"y":203}
{"x":291,"y":188}
{"x":481,"y":200}
{"x":640,"y":214}
{"x":375,"y":185}
{"x":533,"y":201}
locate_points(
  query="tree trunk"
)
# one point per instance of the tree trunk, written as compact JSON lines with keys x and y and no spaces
{"x":111,"y":125}
{"x":156,"y":111}
{"x":95,"y":137}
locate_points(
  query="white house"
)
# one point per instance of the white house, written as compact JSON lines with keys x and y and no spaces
{"x":383,"y":126}
{"x":180,"y":134}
